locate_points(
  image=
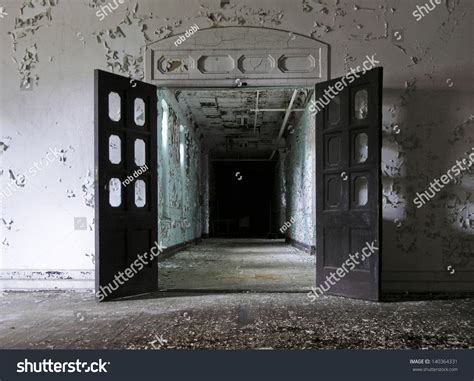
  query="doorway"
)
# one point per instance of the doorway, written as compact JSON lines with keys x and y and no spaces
{"x":237,"y":131}
{"x":302,"y":64}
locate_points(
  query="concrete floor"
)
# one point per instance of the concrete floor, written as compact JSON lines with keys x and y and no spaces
{"x":239,"y":265}
{"x":216,"y":319}
{"x":71,"y":320}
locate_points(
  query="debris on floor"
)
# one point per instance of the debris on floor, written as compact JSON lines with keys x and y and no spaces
{"x":66,"y":320}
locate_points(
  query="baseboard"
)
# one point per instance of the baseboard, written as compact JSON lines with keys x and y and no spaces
{"x":301,"y":246}
{"x":394,"y":296}
{"x":426,"y":281}
{"x":170,"y":251}
{"x":44,"y":280}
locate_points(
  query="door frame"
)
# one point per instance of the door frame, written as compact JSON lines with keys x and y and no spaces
{"x":197,"y":73}
{"x":256,"y":42}
{"x":218,"y":57}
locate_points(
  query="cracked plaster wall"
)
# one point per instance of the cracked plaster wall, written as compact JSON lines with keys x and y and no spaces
{"x":295,"y":176}
{"x":50,"y":48}
{"x":179,"y":169}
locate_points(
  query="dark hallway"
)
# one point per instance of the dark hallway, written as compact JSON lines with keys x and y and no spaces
{"x":232,"y":166}
{"x":246,"y":156}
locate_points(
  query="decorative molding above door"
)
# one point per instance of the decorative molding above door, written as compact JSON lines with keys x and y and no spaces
{"x":234,"y":56}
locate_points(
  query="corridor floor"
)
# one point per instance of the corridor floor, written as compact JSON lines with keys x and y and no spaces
{"x":238,"y":265}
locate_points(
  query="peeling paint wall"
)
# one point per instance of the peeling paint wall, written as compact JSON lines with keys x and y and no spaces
{"x":50,"y":48}
{"x":179,"y":170}
{"x":295,"y":173}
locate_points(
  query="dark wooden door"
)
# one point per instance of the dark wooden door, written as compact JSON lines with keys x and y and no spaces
{"x":125,"y":186}
{"x":348,"y":187}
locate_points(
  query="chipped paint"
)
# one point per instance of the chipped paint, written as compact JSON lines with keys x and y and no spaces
{"x":243,"y":15}
{"x":18,"y":179}
{"x":87,"y":189}
{"x":34,"y":14}
{"x":27,"y":67}
{"x":179,"y":160}
{"x":5,"y":144}
{"x":295,"y":175}
{"x":8,"y":223}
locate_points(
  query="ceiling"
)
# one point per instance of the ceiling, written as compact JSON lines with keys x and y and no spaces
{"x":227,"y":121}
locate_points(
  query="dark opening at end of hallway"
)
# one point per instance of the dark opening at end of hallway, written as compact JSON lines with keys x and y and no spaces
{"x":242,"y":204}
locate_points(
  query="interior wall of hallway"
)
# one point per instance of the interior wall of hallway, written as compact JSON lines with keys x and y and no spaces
{"x":205,"y":192}
{"x":179,"y":174}
{"x":295,"y":182}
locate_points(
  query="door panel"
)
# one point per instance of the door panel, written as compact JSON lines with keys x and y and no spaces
{"x":126,"y":212}
{"x":348,"y":183}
